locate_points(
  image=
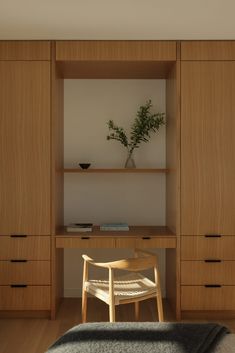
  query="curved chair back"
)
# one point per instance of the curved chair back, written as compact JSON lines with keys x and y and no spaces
{"x":130,"y":264}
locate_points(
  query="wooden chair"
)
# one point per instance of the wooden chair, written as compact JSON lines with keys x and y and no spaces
{"x":129,"y":288}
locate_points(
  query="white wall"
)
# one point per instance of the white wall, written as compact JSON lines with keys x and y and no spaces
{"x":112,"y":19}
{"x":138,"y":199}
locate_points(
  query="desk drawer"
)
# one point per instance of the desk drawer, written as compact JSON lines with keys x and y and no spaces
{"x":25,"y":248}
{"x":202,"y":248}
{"x":146,"y":242}
{"x":201,"y":272}
{"x":28,"y":272}
{"x":202,"y":298}
{"x":85,"y":242}
{"x":25,"y":298}
{"x":155,"y":242}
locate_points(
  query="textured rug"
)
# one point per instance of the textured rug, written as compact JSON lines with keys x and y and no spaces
{"x":141,"y":337}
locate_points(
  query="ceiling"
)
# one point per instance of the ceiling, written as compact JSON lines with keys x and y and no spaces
{"x":117,"y":19}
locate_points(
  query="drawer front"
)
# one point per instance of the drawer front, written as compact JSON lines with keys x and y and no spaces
{"x":201,"y":272}
{"x":27,"y":272}
{"x":156,"y":242}
{"x":85,"y":242}
{"x":202,"y":298}
{"x":26,"y":298}
{"x":203,"y":248}
{"x":146,"y":242}
{"x":25,"y":248}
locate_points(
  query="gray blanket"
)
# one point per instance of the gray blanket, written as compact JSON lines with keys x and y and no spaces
{"x":149,"y":337}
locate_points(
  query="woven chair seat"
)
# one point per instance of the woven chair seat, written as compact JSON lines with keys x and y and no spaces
{"x":130,"y":286}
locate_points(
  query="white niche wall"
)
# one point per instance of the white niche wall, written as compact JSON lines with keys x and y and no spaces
{"x":138,"y":199}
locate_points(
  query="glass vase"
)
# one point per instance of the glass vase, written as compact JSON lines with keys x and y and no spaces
{"x":130,"y":163}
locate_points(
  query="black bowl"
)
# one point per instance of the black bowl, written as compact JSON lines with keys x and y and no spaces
{"x":84,"y":165}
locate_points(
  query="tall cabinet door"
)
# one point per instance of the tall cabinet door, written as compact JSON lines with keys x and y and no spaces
{"x":25,"y":147}
{"x":208,"y":147}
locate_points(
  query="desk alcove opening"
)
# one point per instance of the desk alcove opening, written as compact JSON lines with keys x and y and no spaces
{"x":122,"y":68}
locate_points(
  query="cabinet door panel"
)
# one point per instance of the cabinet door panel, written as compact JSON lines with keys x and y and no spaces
{"x":207,"y":148}
{"x":25,"y":147}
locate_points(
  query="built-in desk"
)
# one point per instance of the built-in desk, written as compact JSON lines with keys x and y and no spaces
{"x":137,"y":236}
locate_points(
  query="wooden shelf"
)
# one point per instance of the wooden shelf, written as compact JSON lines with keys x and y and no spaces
{"x":116,"y":170}
{"x":135,"y":231}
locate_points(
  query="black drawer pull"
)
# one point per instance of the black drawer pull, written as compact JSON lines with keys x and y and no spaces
{"x":13,"y":260}
{"x":85,"y":238}
{"x":212,"y":286}
{"x":212,"y":260}
{"x":18,"y":235}
{"x":213,"y":235}
{"x":146,"y":238}
{"x":19,"y":285}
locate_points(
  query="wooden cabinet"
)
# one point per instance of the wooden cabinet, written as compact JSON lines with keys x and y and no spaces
{"x":25,"y":147}
{"x":207,"y":176}
{"x":207,"y":147}
{"x":25,"y":176}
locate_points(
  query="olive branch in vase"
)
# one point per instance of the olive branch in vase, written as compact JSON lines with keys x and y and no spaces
{"x":144,"y":124}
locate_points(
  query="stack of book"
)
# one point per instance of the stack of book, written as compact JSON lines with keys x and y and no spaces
{"x":114,"y":227}
{"x":79,"y":227}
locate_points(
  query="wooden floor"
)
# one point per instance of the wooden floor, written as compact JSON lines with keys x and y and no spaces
{"x":36,"y":335}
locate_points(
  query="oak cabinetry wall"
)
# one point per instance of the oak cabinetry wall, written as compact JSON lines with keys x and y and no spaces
{"x":25,"y":177}
{"x":201,"y":158}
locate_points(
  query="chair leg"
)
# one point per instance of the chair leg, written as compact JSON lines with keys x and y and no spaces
{"x":84,"y":306}
{"x":159,"y":307}
{"x":84,"y":292}
{"x":159,"y":293}
{"x":111,"y":297}
{"x":111,"y":312}
{"x":137,"y":311}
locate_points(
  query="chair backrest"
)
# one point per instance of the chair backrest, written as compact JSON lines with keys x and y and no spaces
{"x":130,"y":264}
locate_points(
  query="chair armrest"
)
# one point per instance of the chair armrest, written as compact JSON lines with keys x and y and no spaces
{"x":90,"y":261}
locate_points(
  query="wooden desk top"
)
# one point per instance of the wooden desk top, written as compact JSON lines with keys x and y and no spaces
{"x":137,"y":236}
{"x":135,"y":231}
